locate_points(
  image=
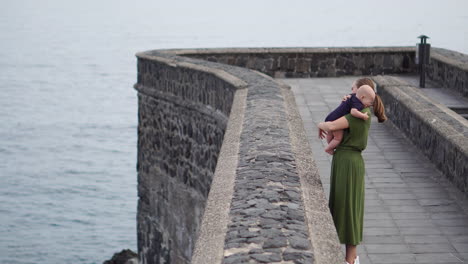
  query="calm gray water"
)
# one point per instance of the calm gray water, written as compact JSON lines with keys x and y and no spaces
{"x":68,"y":112}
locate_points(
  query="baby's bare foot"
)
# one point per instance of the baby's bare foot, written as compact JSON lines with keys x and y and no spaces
{"x":330,"y":151}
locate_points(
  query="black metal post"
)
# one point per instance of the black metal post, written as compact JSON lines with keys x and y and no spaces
{"x":423,"y":59}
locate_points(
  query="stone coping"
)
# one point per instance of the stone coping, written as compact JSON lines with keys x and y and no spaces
{"x":440,"y":133}
{"x":206,"y":51}
{"x":319,"y":219}
{"x":233,"y":80}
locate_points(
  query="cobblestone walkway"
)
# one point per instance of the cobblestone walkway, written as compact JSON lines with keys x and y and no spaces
{"x":412,"y":214}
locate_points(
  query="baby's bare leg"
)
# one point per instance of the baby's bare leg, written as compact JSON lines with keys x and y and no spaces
{"x":337,"y":137}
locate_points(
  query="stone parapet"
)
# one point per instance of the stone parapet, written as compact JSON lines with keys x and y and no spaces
{"x":312,"y":62}
{"x":450,"y":69}
{"x":440,"y":133}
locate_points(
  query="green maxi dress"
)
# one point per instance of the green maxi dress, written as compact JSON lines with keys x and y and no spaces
{"x":347,"y":181}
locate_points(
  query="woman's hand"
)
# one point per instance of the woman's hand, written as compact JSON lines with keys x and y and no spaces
{"x":322,"y":134}
{"x":346,"y":97}
{"x":323,"y":129}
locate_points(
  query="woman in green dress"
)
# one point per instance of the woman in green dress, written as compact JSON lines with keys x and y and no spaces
{"x":347,"y":172}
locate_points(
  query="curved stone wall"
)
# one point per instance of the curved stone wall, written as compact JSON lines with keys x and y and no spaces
{"x":313,"y":62}
{"x":183,"y":114}
{"x":225,"y":171}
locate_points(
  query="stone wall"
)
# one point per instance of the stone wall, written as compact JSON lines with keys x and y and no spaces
{"x":313,"y":62}
{"x":183,"y":113}
{"x":440,"y":133}
{"x":224,"y":167}
{"x":450,"y":69}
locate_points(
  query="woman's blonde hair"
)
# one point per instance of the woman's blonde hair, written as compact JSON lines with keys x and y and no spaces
{"x":378,"y":106}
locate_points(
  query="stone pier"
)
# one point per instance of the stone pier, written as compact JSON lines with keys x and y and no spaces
{"x":229,"y":170}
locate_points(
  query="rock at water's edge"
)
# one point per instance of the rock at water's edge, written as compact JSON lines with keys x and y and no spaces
{"x":125,"y":256}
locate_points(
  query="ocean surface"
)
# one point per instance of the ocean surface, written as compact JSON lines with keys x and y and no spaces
{"x":68,"y":112}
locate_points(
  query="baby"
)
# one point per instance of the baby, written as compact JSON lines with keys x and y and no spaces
{"x":360,"y":98}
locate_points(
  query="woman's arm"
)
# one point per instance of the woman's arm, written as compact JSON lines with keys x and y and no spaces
{"x":340,"y":123}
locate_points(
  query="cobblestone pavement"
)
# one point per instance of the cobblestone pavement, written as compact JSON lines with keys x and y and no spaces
{"x":412,"y":214}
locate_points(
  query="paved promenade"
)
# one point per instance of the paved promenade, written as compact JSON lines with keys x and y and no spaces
{"x":412,"y":214}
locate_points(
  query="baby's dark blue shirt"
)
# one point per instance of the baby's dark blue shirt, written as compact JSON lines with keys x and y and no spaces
{"x":345,"y":108}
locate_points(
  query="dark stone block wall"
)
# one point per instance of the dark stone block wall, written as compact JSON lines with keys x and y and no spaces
{"x":450,"y":69}
{"x":182,"y":119}
{"x":186,"y":85}
{"x":317,"y":62}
